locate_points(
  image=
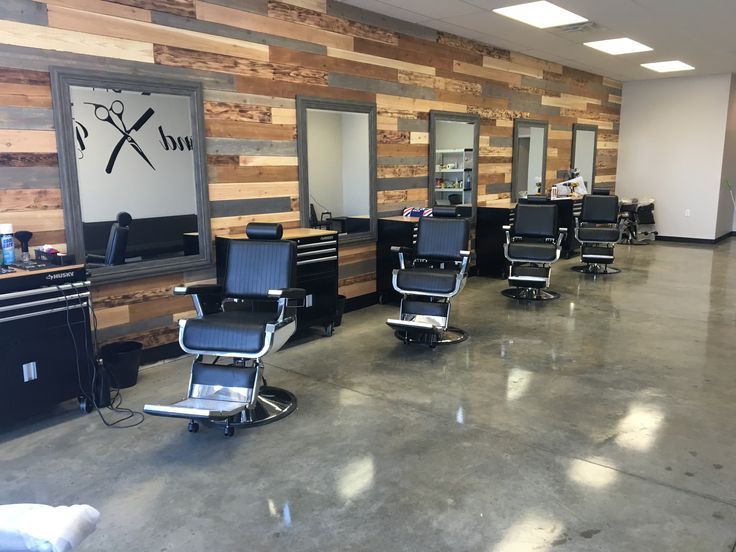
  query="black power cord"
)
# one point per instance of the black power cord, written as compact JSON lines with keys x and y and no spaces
{"x":116,"y":400}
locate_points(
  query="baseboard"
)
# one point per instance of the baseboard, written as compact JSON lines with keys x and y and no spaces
{"x":702,"y":241}
{"x":161,"y":352}
{"x":360,"y":302}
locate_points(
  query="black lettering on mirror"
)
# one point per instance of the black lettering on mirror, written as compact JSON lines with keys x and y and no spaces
{"x":170,"y":143}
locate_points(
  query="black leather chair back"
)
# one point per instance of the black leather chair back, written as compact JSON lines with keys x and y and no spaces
{"x":117,"y":242}
{"x":439,"y":211}
{"x":598,"y":209}
{"x":256,"y":266}
{"x":442,"y":239}
{"x":536,"y":220}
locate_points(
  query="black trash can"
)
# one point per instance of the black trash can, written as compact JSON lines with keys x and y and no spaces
{"x":121,"y":361}
{"x":340,"y":309}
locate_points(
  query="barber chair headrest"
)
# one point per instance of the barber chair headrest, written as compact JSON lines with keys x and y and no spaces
{"x":601,"y":191}
{"x":444,"y":211}
{"x":536,"y":198}
{"x":123,"y":218}
{"x":264,"y":231}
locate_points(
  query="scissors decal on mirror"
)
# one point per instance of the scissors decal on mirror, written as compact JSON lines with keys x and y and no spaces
{"x":114,"y":116}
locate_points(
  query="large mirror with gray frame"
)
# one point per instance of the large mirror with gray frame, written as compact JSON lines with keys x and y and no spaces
{"x":529,"y":158}
{"x":336,"y":145}
{"x":133,"y":173}
{"x":584,"y":139}
{"x":453,"y":159}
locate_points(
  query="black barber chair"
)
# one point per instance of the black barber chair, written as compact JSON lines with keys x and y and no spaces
{"x":533,"y":244}
{"x":256,"y":317}
{"x":597,"y":230}
{"x":117,"y":243}
{"x":437,"y":273}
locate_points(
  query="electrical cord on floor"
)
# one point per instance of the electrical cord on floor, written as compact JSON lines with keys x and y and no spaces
{"x":116,"y":400}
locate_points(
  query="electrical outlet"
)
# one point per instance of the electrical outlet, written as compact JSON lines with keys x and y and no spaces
{"x":687,"y":212}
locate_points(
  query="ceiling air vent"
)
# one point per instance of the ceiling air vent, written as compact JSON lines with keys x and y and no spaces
{"x":585,"y":27}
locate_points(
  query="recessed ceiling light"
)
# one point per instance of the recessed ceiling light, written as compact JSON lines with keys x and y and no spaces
{"x":541,"y":14}
{"x":668,"y":66}
{"x":618,"y":46}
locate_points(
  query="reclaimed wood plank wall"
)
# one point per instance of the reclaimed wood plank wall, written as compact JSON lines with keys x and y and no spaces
{"x":253,"y":57}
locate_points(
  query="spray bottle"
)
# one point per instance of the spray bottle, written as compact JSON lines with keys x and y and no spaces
{"x":7,"y":244}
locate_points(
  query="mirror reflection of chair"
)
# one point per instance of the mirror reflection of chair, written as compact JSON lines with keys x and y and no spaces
{"x":455,"y":199}
{"x":117,"y":243}
{"x":254,"y":317}
{"x":533,"y":244}
{"x":597,"y":230}
{"x":436,"y":273}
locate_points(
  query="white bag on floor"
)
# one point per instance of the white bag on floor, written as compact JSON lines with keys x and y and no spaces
{"x":42,"y":528}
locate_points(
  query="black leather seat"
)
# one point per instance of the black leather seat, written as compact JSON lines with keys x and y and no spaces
{"x":437,"y":274}
{"x":253,"y":318}
{"x":236,"y":331}
{"x":598,"y":231}
{"x":533,"y":243}
{"x":427,"y":280}
{"x":117,"y":243}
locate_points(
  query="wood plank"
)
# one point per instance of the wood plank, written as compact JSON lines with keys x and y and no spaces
{"x":319,"y":19}
{"x":101,"y":6}
{"x":28,"y":159}
{"x":262,"y":160}
{"x":236,"y":224}
{"x":112,"y":316}
{"x":382,"y":62}
{"x":254,"y":174}
{"x":223,"y":191}
{"x":207,"y":61}
{"x":239,"y":129}
{"x":237,"y":112}
{"x":177,"y":7}
{"x":23,"y":76}
{"x":106,"y":25}
{"x":26,"y":118}
{"x":19,"y":199}
{"x":511,"y":67}
{"x":254,"y":22}
{"x":37,"y":141}
{"x":291,"y":90}
{"x":331,"y":64}
{"x":34,"y":36}
{"x":25,"y":95}
{"x":282,"y":116}
{"x":39,"y":221}
{"x":24,"y":11}
{"x":487,"y":73}
{"x":315,"y":5}
{"x":419,"y":138}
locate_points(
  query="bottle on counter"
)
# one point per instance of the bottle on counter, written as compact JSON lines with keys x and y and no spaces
{"x":7,"y":244}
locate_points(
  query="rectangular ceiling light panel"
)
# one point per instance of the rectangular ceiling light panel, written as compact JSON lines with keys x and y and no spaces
{"x":542,"y":15}
{"x":668,"y":66}
{"x":618,"y":46}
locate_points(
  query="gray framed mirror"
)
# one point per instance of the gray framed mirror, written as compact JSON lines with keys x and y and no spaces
{"x":453,"y":159}
{"x":133,"y":173}
{"x":529,"y":158}
{"x":336,"y":148}
{"x":584,"y":141}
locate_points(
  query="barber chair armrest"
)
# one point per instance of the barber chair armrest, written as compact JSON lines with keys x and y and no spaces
{"x":402,"y":250}
{"x":507,"y":228}
{"x":561,"y":236}
{"x":201,"y":289}
{"x":290,"y":294}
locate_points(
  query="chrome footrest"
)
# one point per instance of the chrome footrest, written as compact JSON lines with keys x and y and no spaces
{"x":197,"y":409}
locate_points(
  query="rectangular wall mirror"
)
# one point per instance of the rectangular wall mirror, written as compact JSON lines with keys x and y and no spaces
{"x":133,"y":173}
{"x":584,"y":140}
{"x":529,"y":158}
{"x":336,"y":143}
{"x":453,"y":159}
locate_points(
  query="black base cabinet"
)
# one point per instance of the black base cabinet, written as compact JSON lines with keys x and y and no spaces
{"x":400,"y":231}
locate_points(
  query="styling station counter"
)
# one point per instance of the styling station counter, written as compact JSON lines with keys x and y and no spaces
{"x":398,"y":230}
{"x":45,"y":339}
{"x":316,"y":272}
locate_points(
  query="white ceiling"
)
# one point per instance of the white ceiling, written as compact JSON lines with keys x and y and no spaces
{"x":698,"y":32}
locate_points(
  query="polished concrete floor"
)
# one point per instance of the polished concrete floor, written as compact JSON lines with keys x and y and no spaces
{"x":604,"y":421}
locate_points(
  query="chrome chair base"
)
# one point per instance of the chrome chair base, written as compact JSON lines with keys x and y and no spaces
{"x":595,"y":269}
{"x":530,"y":294}
{"x":272,"y":404}
{"x":447,"y":337}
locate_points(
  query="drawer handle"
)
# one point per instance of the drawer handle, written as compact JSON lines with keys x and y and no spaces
{"x":41,"y":313}
{"x":320,"y":260}
{"x":313,"y":253}
{"x":318,"y":244}
{"x":43,"y":290}
{"x":30,"y":304}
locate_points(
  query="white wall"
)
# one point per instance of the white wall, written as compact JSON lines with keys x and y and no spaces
{"x":355,"y":164}
{"x":726,"y":215}
{"x":536,"y":158}
{"x":671,"y":148}
{"x":454,"y":135}
{"x":584,"y":152}
{"x":324,"y":150}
